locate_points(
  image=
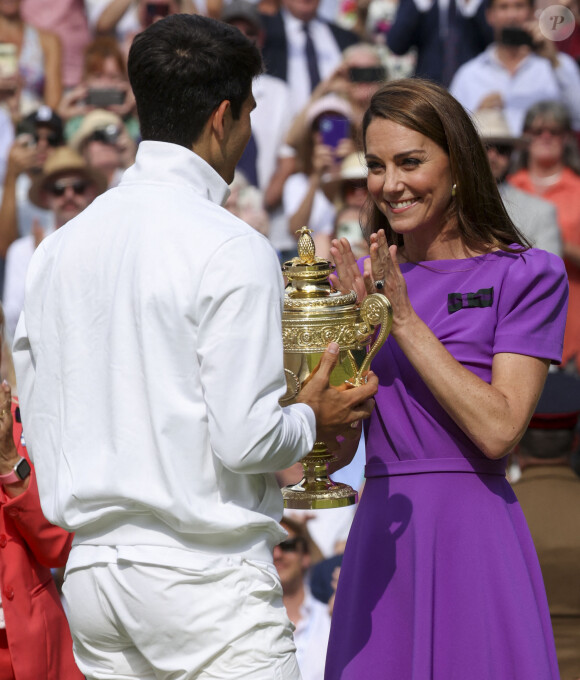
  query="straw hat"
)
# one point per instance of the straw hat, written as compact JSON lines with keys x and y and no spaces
{"x":492,"y":127}
{"x":99,"y":119}
{"x":63,"y":161}
{"x":353,"y":167}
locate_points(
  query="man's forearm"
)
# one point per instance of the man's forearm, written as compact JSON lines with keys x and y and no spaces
{"x":8,"y":219}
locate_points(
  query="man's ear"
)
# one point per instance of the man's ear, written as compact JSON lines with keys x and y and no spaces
{"x":489,"y":15}
{"x":221,"y":118}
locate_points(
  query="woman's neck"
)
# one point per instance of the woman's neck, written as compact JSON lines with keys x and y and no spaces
{"x":545,"y":170}
{"x":446,"y":245}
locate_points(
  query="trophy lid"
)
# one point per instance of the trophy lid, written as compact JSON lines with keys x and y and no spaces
{"x":307,"y":274}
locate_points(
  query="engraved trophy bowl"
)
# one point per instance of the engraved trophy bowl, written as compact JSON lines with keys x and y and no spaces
{"x":315,"y":313}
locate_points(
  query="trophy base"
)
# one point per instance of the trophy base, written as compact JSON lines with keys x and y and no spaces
{"x":332,"y":495}
{"x":317,"y":491}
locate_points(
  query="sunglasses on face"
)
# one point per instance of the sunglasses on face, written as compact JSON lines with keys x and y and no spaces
{"x":501,"y":149}
{"x":79,"y":187}
{"x":354,"y":185}
{"x":53,"y":139}
{"x":291,"y":544}
{"x":539,"y":131}
{"x":107,"y":135}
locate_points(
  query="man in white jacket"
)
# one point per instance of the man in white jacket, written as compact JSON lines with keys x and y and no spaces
{"x":149,"y":363}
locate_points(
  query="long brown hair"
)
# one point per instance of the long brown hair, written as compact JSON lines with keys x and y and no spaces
{"x":429,"y":109}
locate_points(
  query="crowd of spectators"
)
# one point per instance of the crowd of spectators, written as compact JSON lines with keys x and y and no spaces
{"x":63,"y":81}
{"x":69,"y":128}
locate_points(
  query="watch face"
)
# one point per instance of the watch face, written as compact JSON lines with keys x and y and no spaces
{"x":22,"y":469}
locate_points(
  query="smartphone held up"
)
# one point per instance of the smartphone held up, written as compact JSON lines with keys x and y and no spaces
{"x":367,"y":74}
{"x":105,"y":97}
{"x":514,"y":36}
{"x":333,"y":129}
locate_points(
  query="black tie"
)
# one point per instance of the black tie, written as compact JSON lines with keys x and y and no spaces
{"x":247,"y":163}
{"x":450,"y":44}
{"x":311,"y":60}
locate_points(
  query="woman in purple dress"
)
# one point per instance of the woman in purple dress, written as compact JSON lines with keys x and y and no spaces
{"x":440,"y":579}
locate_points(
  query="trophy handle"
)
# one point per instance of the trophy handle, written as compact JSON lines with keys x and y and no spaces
{"x":375,"y":311}
{"x":292,"y":388}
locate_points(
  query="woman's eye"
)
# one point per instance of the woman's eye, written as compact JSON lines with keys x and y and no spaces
{"x":411,"y":162}
{"x":373,"y":166}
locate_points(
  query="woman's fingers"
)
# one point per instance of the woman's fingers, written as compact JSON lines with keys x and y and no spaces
{"x":382,"y":272}
{"x":378,"y":265}
{"x":368,"y":278}
{"x":342,"y":276}
{"x":382,"y":238}
{"x":348,"y":276}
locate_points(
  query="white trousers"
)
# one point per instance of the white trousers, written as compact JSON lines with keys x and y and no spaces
{"x":133,"y":620}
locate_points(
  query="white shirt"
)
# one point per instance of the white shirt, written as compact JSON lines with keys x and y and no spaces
{"x":18,"y":258}
{"x":328,"y":56}
{"x":271,"y":120}
{"x":534,"y":80}
{"x":149,"y":363}
{"x":6,"y":140}
{"x":311,"y":637}
{"x":323,"y":213}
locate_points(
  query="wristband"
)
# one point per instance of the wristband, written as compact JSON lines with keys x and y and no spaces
{"x":19,"y":473}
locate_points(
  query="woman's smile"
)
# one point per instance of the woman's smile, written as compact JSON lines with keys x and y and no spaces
{"x":401,"y":206}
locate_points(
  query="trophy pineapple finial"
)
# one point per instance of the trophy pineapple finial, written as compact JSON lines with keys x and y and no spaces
{"x":306,"y":250}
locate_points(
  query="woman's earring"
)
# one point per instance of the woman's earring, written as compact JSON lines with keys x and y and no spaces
{"x":453,"y":190}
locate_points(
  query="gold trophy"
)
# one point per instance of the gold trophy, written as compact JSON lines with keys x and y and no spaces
{"x":315,"y":313}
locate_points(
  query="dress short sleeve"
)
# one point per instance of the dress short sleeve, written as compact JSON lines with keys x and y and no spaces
{"x":532,"y":306}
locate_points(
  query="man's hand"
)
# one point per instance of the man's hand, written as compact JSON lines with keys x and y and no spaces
{"x":491,"y":101}
{"x":73,"y":103}
{"x":8,"y":454}
{"x":542,"y":46}
{"x":22,"y":155}
{"x":338,"y":411}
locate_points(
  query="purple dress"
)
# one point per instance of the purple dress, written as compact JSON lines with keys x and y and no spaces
{"x":440,"y":579}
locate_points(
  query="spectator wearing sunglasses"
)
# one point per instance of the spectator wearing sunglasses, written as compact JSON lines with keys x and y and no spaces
{"x":37,"y":136}
{"x":549,"y":167}
{"x":293,"y":559}
{"x":533,"y":216}
{"x":66,"y":186}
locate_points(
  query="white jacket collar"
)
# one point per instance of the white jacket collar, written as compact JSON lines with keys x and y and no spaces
{"x":165,"y":163}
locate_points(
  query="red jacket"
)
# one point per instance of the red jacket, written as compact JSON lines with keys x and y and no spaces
{"x":39,"y":639}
